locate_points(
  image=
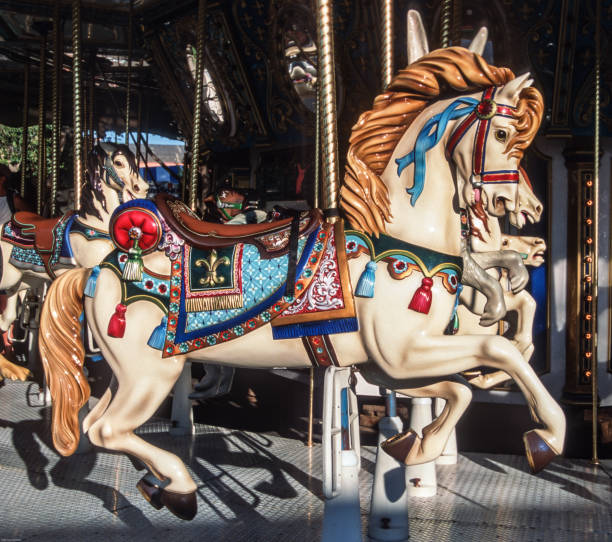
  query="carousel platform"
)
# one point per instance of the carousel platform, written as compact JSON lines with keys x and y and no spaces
{"x":267,"y":488}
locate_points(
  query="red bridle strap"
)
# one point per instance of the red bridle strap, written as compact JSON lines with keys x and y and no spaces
{"x":482,"y":114}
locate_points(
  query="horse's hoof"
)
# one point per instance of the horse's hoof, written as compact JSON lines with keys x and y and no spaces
{"x":399,"y":446}
{"x":182,"y":505}
{"x":151,"y":493}
{"x":539,"y":453}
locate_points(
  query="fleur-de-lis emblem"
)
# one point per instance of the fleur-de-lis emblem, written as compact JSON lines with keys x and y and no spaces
{"x":212,"y":263}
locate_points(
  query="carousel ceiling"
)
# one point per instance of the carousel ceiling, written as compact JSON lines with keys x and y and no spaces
{"x":261,"y":61}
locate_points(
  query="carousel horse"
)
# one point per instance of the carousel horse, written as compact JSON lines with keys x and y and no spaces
{"x":34,"y":249}
{"x":248,"y":295}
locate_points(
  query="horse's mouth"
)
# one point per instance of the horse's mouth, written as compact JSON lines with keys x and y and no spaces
{"x":538,"y":256}
{"x":528,"y":217}
{"x":129,"y":196}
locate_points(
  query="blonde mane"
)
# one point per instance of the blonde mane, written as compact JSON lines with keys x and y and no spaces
{"x":441,"y":74}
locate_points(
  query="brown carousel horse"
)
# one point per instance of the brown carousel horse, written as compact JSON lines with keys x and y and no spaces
{"x":225,"y":293}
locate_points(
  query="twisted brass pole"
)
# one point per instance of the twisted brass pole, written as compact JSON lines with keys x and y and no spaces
{"x":317,"y":171}
{"x":597,"y":105}
{"x":129,"y":74}
{"x":387,"y":43}
{"x":55,"y":109}
{"x":445,"y":23}
{"x":24,"y":135}
{"x":41,"y":124}
{"x":76,"y":101}
{"x":197,"y":108}
{"x":327,"y":76}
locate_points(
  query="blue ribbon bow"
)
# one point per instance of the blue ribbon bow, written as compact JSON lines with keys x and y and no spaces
{"x":427,"y":140}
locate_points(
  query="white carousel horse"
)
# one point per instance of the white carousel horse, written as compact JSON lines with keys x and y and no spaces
{"x":79,"y":239}
{"x":411,"y":141}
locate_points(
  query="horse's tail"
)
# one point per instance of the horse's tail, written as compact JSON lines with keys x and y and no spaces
{"x":62,"y":352}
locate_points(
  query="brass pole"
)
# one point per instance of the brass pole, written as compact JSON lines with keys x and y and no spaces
{"x":597,"y":105}
{"x":138,"y":131}
{"x":195,"y":143}
{"x":317,"y":172}
{"x":41,"y":124}
{"x":129,"y":74}
{"x":445,"y":23}
{"x":325,"y":27}
{"x":76,"y":101}
{"x":91,"y":110}
{"x":55,"y":108}
{"x":24,"y":135}
{"x":310,"y":408}
{"x":387,"y":43}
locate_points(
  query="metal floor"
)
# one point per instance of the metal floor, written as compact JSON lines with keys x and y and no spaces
{"x":260,"y":487}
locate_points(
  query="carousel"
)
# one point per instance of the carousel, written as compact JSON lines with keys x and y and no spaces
{"x":301,"y":270}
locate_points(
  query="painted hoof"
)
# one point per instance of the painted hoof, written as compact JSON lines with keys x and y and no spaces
{"x":399,"y":446}
{"x":539,"y":453}
{"x":151,"y":493}
{"x":182,"y":505}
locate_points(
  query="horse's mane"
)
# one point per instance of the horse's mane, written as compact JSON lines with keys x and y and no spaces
{"x":439,"y":75}
{"x":93,"y":187}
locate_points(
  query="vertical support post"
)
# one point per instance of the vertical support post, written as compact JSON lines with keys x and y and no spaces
{"x":24,"y":135}
{"x":57,"y":64}
{"x":129,"y":72}
{"x":445,"y":23}
{"x":595,"y":248}
{"x":91,"y":100}
{"x":76,"y":101}
{"x":197,"y":107}
{"x":387,"y":43}
{"x":327,"y":75}
{"x":41,"y":124}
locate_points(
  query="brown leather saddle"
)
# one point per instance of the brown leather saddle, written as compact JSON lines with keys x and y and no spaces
{"x":271,"y":238}
{"x":42,"y":231}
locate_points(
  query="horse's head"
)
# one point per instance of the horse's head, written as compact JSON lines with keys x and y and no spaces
{"x":449,"y":103}
{"x":117,"y":169}
{"x":529,"y":206}
{"x":532,"y":249}
{"x":487,"y":144}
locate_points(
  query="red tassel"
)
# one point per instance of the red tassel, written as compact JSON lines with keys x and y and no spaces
{"x":421,"y":300}
{"x":116,"y":325}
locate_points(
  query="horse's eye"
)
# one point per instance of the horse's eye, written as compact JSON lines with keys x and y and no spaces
{"x":118,"y":163}
{"x":501,"y":135}
{"x":505,"y":242}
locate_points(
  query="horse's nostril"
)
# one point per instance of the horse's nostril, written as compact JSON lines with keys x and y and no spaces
{"x":136,"y":188}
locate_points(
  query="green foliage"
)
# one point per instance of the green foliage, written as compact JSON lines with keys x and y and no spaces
{"x":10,"y":146}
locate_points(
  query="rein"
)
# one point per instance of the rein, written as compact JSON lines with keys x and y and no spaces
{"x":480,"y":112}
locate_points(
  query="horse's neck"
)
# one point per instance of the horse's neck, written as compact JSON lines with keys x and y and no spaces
{"x":111,"y":198}
{"x":434,"y":221}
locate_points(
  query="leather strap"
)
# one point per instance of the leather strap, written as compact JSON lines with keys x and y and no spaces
{"x":320,"y":351}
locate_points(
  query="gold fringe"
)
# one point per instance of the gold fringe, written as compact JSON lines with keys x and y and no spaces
{"x":221,"y":302}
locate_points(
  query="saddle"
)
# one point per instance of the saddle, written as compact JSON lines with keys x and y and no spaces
{"x":43,"y":233}
{"x":271,"y":238}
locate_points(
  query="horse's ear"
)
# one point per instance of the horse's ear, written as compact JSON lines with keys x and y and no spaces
{"x":108,"y":148}
{"x":511,"y":90}
{"x":480,"y":41}
{"x":417,"y":38}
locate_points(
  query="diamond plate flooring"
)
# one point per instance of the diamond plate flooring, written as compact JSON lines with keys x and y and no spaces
{"x":264,"y":488}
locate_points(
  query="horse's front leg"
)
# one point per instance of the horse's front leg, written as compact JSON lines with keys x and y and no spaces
{"x":426,"y":356}
{"x":457,"y":394}
{"x":508,"y":259}
{"x":475,"y":276}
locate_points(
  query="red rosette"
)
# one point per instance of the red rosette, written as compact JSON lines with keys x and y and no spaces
{"x":139,"y":221}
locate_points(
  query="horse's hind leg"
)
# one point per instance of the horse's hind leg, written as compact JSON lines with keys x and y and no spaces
{"x":139,"y":395}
